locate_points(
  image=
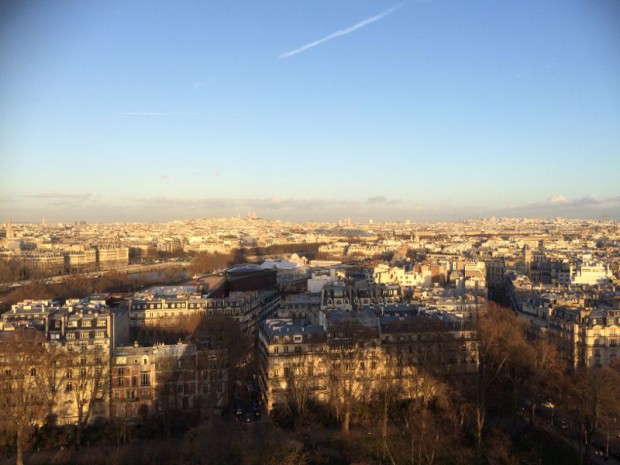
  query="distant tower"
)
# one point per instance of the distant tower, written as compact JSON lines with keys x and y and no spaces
{"x":527,"y":258}
{"x":44,"y":221}
{"x":10,"y":234}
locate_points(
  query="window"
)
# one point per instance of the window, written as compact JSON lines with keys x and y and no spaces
{"x":69,"y":387}
{"x":101,"y":323}
{"x":145,"y":379}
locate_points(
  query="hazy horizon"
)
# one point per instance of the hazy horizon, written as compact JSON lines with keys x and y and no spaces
{"x":421,"y":110}
{"x":359,"y":219}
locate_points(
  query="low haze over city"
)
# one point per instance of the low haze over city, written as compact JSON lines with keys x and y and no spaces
{"x":310,"y":233}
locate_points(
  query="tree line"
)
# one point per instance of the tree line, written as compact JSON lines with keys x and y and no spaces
{"x":418,"y":415}
{"x":427,"y":420}
{"x":207,"y":262}
{"x":79,"y":286}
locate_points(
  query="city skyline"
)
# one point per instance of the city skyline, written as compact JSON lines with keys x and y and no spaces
{"x":305,"y":210}
{"x":420,"y":110}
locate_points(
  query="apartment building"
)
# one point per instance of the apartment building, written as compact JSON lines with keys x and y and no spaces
{"x":28,"y":314}
{"x":182,"y":377}
{"x":364,"y":349}
{"x":165,"y":312}
{"x":87,"y":331}
{"x":80,"y":260}
{"x":290,"y":352}
{"x":111,"y":256}
{"x":46,"y":262}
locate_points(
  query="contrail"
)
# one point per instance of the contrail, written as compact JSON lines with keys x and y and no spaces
{"x":158,"y":113}
{"x":342,"y":32}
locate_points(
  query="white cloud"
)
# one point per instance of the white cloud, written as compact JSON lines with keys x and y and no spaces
{"x":159,"y":113}
{"x":558,"y":199}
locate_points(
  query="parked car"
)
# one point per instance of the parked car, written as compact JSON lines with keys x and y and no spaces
{"x":256,"y":409}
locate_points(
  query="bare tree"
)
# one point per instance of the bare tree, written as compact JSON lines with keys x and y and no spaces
{"x":425,"y":420}
{"x":595,"y":392}
{"x":223,"y":350}
{"x":351,"y":363}
{"x":21,"y":404}
{"x":301,"y":384}
{"x":88,"y":374}
{"x":501,"y":339}
{"x":388,"y":392}
{"x":166,"y":391}
{"x":53,"y":366}
{"x":547,"y":373}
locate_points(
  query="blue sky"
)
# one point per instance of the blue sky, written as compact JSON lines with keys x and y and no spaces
{"x":422,"y":110}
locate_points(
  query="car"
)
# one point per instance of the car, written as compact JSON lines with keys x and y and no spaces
{"x":247,"y":417}
{"x":564,"y":425}
{"x":256,"y":409}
